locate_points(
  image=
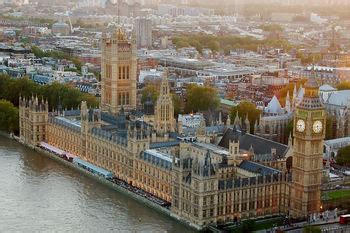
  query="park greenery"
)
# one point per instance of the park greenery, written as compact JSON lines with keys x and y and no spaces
{"x":11,"y":89}
{"x":8,"y":116}
{"x":343,"y":157}
{"x":57,"y":55}
{"x":244,"y":109}
{"x":201,"y":99}
{"x":338,"y":195}
{"x":226,"y":43}
{"x":312,"y":229}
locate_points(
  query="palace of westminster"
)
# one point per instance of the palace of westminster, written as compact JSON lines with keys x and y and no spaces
{"x":225,"y":174}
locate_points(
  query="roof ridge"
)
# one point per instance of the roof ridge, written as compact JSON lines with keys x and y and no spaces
{"x":263,"y":138}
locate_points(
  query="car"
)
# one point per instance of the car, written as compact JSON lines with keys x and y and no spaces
{"x":338,"y":186}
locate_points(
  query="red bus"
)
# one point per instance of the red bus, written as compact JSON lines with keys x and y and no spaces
{"x":344,"y":219}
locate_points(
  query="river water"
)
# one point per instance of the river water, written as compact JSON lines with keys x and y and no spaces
{"x":40,"y":195}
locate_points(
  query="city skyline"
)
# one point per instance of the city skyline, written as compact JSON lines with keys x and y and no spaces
{"x":222,"y":117}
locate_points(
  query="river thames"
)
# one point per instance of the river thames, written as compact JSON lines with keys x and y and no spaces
{"x":40,"y":195}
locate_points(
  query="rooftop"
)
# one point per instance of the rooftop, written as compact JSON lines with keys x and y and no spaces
{"x":246,"y":141}
{"x":257,"y":168}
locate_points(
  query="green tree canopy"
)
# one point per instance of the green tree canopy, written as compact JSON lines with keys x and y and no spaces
{"x":201,"y":98}
{"x":149,"y":90}
{"x":271,"y":27}
{"x":343,"y":156}
{"x":343,"y":86}
{"x":8,"y":116}
{"x":177,"y":104}
{"x":245,"y":108}
{"x":312,"y":229}
{"x":309,"y":58}
{"x":11,"y":89}
{"x":226,"y":42}
{"x":57,"y":55}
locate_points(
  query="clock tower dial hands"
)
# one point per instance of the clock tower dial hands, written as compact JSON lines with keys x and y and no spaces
{"x":300,"y":125}
{"x":317,"y":126}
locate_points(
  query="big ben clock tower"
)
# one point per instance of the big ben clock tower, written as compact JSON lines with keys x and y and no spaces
{"x":309,"y":133}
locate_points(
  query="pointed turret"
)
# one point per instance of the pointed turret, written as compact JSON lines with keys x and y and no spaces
{"x":256,"y":127}
{"x":36,"y":100}
{"x":294,"y":97}
{"x":228,"y":121}
{"x":290,"y":140}
{"x":247,"y":123}
{"x":288,"y":105}
{"x":237,"y":121}
{"x":83,"y":111}
{"x":251,"y":149}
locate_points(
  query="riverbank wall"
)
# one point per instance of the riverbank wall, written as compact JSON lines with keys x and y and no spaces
{"x":165,"y":211}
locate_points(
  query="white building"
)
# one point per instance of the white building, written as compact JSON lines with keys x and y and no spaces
{"x":190,"y":120}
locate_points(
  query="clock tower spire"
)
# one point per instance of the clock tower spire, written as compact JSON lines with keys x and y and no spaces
{"x":309,"y":133}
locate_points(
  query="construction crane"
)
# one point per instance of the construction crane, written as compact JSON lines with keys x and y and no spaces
{"x":72,"y":29}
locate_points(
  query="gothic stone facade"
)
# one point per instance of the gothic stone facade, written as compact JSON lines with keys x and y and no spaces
{"x":118,"y":72}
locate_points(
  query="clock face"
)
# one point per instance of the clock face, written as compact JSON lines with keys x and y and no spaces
{"x":317,"y":127}
{"x":301,"y":125}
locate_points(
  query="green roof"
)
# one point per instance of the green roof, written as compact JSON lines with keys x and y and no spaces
{"x":228,"y":102}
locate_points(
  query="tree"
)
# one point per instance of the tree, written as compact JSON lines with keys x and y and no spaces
{"x":343,"y":86}
{"x":177,"y":104}
{"x":246,"y":108}
{"x":8,"y":116}
{"x":214,"y":45}
{"x":149,"y":90}
{"x":309,"y":58}
{"x":289,"y":129}
{"x":11,"y":89}
{"x":343,"y":156}
{"x":57,"y":55}
{"x":225,"y":42}
{"x":312,"y":229}
{"x":271,"y":27}
{"x":201,"y":98}
{"x":248,"y":225}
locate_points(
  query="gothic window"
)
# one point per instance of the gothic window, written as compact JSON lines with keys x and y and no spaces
{"x":303,"y":148}
{"x":127,"y":72}
{"x":195,"y":212}
{"x":123,"y":72}
{"x":127,"y":98}
{"x":119,"y":72}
